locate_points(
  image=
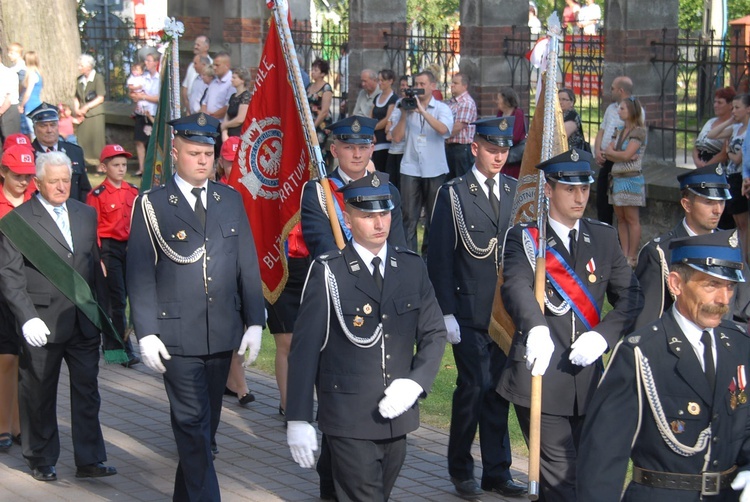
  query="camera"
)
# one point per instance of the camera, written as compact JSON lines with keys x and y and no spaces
{"x":410,"y":101}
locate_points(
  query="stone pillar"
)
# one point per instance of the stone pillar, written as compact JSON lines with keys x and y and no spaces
{"x":368,"y":19}
{"x":485,"y":25}
{"x":235,"y":26}
{"x":630,"y":28}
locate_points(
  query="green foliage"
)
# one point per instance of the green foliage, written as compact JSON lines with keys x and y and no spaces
{"x":737,"y":9}
{"x":690,"y":16}
{"x":433,"y":12}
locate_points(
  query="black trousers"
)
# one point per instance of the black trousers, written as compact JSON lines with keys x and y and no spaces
{"x":38,"y":377}
{"x":460,"y":159}
{"x":479,"y":362}
{"x":393,"y":168}
{"x":195,"y":387}
{"x":418,"y":193}
{"x":113,"y":254}
{"x":604,"y":211}
{"x":559,"y":450}
{"x":365,"y":470}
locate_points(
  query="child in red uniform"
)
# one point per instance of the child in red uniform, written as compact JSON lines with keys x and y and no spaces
{"x":113,"y":201}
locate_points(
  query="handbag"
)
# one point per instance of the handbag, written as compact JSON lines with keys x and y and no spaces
{"x":515,"y":156}
{"x":91,"y":96}
{"x":627,"y":167}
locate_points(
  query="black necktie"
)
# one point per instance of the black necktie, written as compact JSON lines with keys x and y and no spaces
{"x":200,"y":211}
{"x":376,"y":273}
{"x":203,"y":97}
{"x":573,"y":245}
{"x":494,"y":203}
{"x":708,"y":359}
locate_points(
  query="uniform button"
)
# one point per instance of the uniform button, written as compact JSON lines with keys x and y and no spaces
{"x":388,"y":375}
{"x":387,"y":336}
{"x":408,"y":305}
{"x":715,"y":463}
{"x":164,"y":313}
{"x":233,"y":230}
{"x":208,"y":258}
{"x":70,"y":255}
{"x":210,"y":300}
{"x":210,"y":279}
{"x":680,"y":412}
{"x":385,"y":316}
{"x":716,"y":439}
{"x":335,"y":386}
{"x":387,"y":356}
{"x":173,"y":236}
{"x":716,"y":417}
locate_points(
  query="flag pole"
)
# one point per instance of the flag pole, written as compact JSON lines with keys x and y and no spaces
{"x":548,"y":144}
{"x":175,"y":29}
{"x":281,"y":11}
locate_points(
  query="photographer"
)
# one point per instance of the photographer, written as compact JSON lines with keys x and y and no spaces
{"x":425,"y":123}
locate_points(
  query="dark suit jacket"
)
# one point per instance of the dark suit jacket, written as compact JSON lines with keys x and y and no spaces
{"x":680,"y":382}
{"x":80,"y":185}
{"x":350,"y":378}
{"x":565,"y":384}
{"x":30,"y":294}
{"x":169,"y":299}
{"x":649,"y":274}
{"x":465,"y":285}
{"x":316,"y":227}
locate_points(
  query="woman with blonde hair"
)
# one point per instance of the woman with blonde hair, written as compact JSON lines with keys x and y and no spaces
{"x":88,"y":109}
{"x":32,"y":95}
{"x":627,"y":190}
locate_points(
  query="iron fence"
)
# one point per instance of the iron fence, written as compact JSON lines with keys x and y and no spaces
{"x":114,"y":47}
{"x":694,"y":67}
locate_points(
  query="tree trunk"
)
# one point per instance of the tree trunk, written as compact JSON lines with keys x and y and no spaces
{"x":50,"y":28}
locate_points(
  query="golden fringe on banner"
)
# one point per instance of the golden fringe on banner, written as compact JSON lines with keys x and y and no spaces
{"x":501,"y":327}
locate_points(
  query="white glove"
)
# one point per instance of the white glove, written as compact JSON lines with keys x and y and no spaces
{"x":454,"y":332}
{"x":151,"y":349}
{"x":742,"y":482}
{"x":35,"y":331}
{"x":302,"y":441}
{"x":587,"y":348}
{"x":539,"y":349}
{"x":251,"y":343}
{"x":400,"y":395}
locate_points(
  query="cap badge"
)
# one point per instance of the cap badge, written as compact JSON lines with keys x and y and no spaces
{"x":44,"y":106}
{"x":355,"y":126}
{"x":202,"y":120}
{"x":182,"y":235}
{"x":173,"y":199}
{"x":375,"y":181}
{"x":574,"y":156}
{"x":503,"y":125}
{"x":733,"y":240}
{"x":719,"y":170}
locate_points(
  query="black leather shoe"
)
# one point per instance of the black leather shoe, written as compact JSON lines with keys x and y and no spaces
{"x":44,"y":473}
{"x":509,"y":488}
{"x":247,"y":399}
{"x":97,"y":470}
{"x":467,"y":489}
{"x":132,"y":361}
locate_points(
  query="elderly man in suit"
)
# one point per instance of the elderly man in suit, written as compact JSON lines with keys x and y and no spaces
{"x":54,"y":327}
{"x":194,"y":284}
{"x":365,"y":308}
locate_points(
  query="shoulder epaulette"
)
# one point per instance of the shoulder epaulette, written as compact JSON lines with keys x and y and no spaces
{"x":597,"y":222}
{"x":98,"y":190}
{"x":454,"y":181}
{"x":330,"y":255}
{"x":155,"y":189}
{"x":134,"y":186}
{"x":400,"y":249}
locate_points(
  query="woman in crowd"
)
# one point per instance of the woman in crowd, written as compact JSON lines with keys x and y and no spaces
{"x":320,"y":95}
{"x":628,"y":186}
{"x":32,"y":85}
{"x":384,"y":103}
{"x":238,"y":104}
{"x":88,"y":109}
{"x":570,"y":14}
{"x":732,"y":132}
{"x":17,"y":170}
{"x":711,"y":151}
{"x":573,"y":127}
{"x":508,"y":106}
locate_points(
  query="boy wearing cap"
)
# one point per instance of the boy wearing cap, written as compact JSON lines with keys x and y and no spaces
{"x":471,"y":216}
{"x":113,"y":201}
{"x":704,"y":195}
{"x":365,"y":307}
{"x":46,"y":128}
{"x":564,"y":342}
{"x":674,"y":398}
{"x":194,"y":285}
{"x":352,"y":146}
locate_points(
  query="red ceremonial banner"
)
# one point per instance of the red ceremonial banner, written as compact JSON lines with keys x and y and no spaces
{"x":272,"y":164}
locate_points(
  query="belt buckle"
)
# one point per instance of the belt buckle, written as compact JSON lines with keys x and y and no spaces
{"x":710,"y":483}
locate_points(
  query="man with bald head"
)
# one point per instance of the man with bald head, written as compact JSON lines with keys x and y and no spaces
{"x":621,"y":88}
{"x":193,"y":72}
{"x":370,"y":90}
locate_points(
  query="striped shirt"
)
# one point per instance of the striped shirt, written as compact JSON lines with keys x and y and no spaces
{"x":464,"y":109}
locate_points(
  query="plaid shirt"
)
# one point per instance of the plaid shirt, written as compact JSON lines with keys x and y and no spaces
{"x":464,"y":109}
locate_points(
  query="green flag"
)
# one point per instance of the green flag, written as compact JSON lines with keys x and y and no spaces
{"x":158,"y":163}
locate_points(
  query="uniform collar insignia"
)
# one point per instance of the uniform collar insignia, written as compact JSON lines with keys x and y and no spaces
{"x":173,"y":199}
{"x":586,"y":238}
{"x":473,"y":188}
{"x":506,"y":187}
{"x":217,"y":197}
{"x":354,"y":266}
{"x":394,"y":262}
{"x":674,"y":340}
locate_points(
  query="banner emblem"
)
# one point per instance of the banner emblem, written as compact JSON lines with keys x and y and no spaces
{"x":264,"y":138}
